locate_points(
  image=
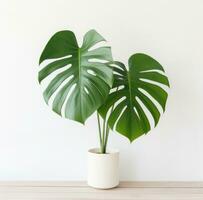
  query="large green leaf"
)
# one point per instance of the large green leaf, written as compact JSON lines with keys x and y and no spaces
{"x":85,"y":78}
{"x":128,"y":103}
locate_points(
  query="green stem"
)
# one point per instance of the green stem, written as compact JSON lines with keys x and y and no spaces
{"x":103,"y":150}
{"x":107,"y":128}
{"x":106,"y":138}
{"x":99,"y":126}
{"x":104,"y":132}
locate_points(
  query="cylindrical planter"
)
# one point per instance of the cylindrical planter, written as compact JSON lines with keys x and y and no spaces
{"x":103,"y":169}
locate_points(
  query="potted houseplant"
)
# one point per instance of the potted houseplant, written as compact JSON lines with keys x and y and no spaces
{"x":88,"y":80}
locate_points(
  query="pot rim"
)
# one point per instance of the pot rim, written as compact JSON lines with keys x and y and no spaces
{"x":96,"y":151}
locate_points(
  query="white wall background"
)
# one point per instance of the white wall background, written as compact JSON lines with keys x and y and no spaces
{"x":36,"y":144}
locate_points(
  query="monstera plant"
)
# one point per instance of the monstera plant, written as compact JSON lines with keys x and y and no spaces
{"x":85,"y":79}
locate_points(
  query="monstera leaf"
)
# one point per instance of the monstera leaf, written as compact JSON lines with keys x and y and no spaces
{"x":83,"y":82}
{"x":138,"y":91}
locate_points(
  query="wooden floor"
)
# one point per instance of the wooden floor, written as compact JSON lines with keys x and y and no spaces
{"x":79,"y":190}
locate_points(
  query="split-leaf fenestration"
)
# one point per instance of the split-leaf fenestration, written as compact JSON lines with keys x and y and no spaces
{"x":128,"y":116}
{"x":83,"y":79}
{"x":84,"y":84}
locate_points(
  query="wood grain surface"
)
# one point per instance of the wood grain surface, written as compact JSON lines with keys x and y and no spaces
{"x":65,"y":190}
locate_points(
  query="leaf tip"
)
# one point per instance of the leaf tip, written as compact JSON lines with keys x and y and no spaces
{"x":80,"y":121}
{"x":41,"y":59}
{"x":39,"y":79}
{"x":46,"y":99}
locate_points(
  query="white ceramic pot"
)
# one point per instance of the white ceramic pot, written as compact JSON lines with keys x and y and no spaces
{"x":103,"y":169}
